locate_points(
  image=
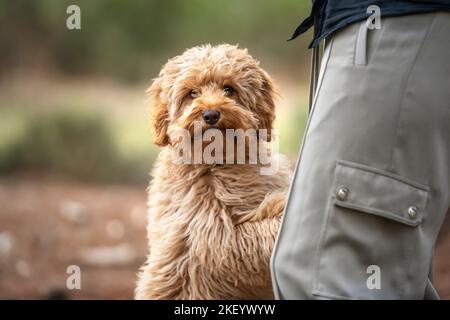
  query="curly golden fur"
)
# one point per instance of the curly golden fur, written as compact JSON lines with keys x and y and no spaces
{"x":211,"y":227}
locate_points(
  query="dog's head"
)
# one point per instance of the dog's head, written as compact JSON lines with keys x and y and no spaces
{"x":221,"y":87}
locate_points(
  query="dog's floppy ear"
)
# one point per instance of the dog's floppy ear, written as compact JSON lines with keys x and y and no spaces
{"x":160,"y":113}
{"x":267,"y":103}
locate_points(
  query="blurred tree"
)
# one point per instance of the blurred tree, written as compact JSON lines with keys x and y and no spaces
{"x":71,"y":144}
{"x":130,"y":39}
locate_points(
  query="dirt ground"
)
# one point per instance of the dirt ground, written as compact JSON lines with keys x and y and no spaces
{"x":56,"y":224}
{"x":48,"y":225}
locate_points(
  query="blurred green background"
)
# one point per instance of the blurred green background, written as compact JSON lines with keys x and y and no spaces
{"x":72,"y":102}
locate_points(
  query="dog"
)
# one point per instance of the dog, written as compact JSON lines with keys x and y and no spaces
{"x":211,"y":226}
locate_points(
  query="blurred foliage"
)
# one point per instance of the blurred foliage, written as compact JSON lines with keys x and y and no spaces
{"x":41,"y":126}
{"x":70,"y":144}
{"x":82,"y":145}
{"x":131,"y":39}
{"x":291,"y":129}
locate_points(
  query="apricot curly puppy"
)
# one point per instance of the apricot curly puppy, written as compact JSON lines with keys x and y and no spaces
{"x":211,"y":227}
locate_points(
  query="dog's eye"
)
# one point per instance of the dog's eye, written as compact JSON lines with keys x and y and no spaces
{"x":228,"y":90}
{"x":193,"y":93}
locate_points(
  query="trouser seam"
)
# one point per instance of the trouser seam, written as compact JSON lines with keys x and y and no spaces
{"x":403,"y":97}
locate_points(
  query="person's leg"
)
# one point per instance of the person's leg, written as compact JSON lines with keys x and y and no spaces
{"x":372,"y":184}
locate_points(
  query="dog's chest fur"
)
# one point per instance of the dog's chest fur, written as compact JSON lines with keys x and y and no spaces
{"x":194,"y":212}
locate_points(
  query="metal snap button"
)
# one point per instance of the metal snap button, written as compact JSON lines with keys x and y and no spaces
{"x":342,"y":193}
{"x":412,"y":212}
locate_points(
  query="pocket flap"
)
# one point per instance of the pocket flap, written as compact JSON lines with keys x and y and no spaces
{"x":380,"y":193}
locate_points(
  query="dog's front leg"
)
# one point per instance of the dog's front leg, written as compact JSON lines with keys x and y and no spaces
{"x":162,"y":276}
{"x":254,"y":247}
{"x":271,"y":207}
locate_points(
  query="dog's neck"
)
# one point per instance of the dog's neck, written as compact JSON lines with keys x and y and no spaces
{"x":194,"y":171}
{"x":236,"y":188}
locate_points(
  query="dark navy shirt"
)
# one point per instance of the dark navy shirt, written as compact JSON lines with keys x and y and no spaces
{"x":330,"y":15}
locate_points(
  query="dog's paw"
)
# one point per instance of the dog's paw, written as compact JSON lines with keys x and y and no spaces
{"x":271,"y":207}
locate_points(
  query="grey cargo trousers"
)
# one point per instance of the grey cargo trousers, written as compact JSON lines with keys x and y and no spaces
{"x":372,"y":184}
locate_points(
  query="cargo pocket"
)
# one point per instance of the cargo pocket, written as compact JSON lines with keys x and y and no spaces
{"x":370,"y":234}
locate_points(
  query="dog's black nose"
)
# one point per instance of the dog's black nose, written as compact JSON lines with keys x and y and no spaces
{"x":211,"y":116}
